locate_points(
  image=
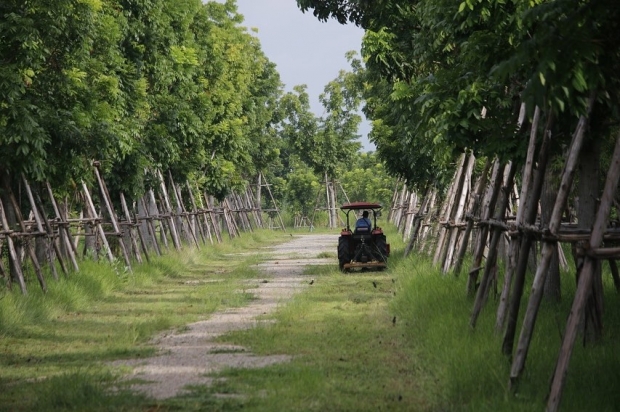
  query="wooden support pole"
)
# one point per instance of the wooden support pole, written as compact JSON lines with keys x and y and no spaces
{"x":98,"y":226}
{"x":473,"y":210}
{"x":446,"y":210}
{"x":51,"y":236}
{"x":168,"y":211}
{"x":487,"y":209}
{"x":153,"y":203}
{"x":520,"y":246}
{"x":63,"y":230}
{"x":107,"y":201}
{"x":584,"y":286}
{"x":496,"y":234}
{"x":39,"y":223}
{"x":27,"y":245}
{"x":214,"y":222}
{"x":196,"y":213}
{"x":132,"y":236}
{"x":417,"y":221}
{"x":17,"y":267}
{"x":458,"y":212}
{"x":547,"y":252}
{"x":149,"y":223}
{"x":179,"y":201}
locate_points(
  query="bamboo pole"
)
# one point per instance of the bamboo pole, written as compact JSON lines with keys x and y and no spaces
{"x":108,"y":204}
{"x":27,"y":244}
{"x":150,"y":225}
{"x":457,"y":215}
{"x":51,"y":235}
{"x":446,"y":209}
{"x":417,"y":221}
{"x":584,"y":286}
{"x":63,"y":230}
{"x":99,"y":228}
{"x":132,"y":235}
{"x":489,"y":270}
{"x":473,"y":210}
{"x":17,"y":267}
{"x":160,"y":220}
{"x":196,"y":213}
{"x":487,"y":208}
{"x":168,"y":210}
{"x":179,"y":200}
{"x":214,"y":222}
{"x":520,"y":245}
{"x":39,"y":223}
{"x":547,"y":252}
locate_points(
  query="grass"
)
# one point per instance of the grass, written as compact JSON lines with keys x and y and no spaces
{"x":52,"y":346}
{"x":392,"y":340}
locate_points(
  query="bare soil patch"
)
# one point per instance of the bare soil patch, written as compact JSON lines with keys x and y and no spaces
{"x":188,"y":357}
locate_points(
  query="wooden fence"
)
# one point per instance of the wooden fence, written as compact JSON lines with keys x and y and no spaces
{"x":496,"y":219}
{"x":57,"y":233}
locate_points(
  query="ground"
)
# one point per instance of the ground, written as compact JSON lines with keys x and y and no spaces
{"x":188,"y":357}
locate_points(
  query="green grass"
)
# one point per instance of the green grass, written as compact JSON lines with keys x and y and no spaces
{"x":61,"y":339}
{"x":392,"y":340}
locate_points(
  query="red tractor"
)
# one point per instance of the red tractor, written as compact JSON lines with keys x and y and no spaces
{"x":364,"y":247}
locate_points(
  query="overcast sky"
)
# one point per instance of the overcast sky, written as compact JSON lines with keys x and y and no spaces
{"x":305,"y":50}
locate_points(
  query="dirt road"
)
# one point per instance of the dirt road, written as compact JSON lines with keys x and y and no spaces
{"x":185,"y":358}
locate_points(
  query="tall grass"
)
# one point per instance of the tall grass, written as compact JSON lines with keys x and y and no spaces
{"x":467,"y":364}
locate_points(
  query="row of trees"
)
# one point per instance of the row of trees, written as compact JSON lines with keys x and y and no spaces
{"x":442,"y":77}
{"x":532,"y":85}
{"x":146,"y":85}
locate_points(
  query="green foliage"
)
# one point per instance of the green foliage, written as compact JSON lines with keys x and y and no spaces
{"x":367,"y":180}
{"x":444,"y":76}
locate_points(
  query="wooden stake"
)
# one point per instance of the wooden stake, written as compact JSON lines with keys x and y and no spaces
{"x":520,"y":246}
{"x":108,"y":204}
{"x":13,"y":253}
{"x":63,"y":230}
{"x":446,"y":210}
{"x":214,"y":222}
{"x":150,"y":225}
{"x":473,"y":210}
{"x":196,"y":213}
{"x":159,"y":219}
{"x":487,"y":209}
{"x":27,"y":245}
{"x":168,"y":210}
{"x":548,"y":249}
{"x":132,"y":235}
{"x":496,"y":234}
{"x":585,"y":283}
{"x":179,"y":201}
{"x":40,"y":229}
{"x":98,"y":226}
{"x":457,"y":214}
{"x":51,"y":236}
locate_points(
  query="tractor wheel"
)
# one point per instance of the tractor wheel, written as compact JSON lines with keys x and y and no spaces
{"x":343,"y":252}
{"x":381,"y":245}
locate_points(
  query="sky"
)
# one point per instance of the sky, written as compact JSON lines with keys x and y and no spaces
{"x":304,"y":49}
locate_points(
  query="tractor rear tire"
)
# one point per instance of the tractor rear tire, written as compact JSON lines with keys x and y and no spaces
{"x":381,"y":245}
{"x":343,"y":252}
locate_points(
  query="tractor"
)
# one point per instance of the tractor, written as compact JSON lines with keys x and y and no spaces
{"x":362,"y":247}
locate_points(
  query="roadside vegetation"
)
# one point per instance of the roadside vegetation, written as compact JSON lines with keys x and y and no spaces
{"x":392,"y":340}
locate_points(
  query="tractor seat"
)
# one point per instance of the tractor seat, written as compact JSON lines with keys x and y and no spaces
{"x":362,"y":233}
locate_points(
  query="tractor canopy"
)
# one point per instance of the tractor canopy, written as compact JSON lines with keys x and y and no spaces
{"x":360,"y":206}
